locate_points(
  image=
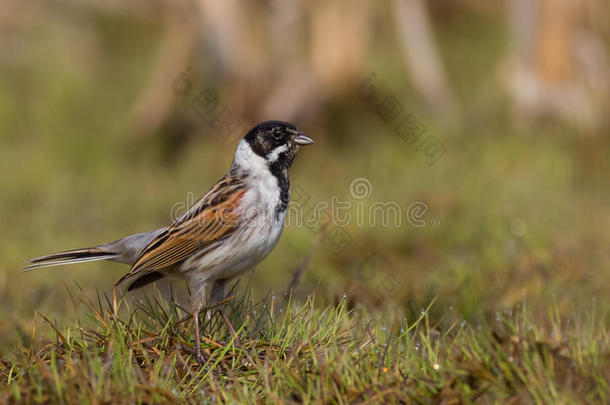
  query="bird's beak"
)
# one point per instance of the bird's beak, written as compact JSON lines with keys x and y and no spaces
{"x":303,"y":139}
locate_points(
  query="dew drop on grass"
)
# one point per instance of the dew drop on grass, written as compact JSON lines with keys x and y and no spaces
{"x":436,"y":366}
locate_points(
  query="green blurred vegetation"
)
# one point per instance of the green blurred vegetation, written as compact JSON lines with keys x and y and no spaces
{"x":523,"y":207}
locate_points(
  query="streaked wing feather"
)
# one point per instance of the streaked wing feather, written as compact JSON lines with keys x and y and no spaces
{"x":211,"y":219}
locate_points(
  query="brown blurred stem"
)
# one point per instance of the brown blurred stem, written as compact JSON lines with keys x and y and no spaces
{"x":297,"y":272}
{"x":421,"y":55}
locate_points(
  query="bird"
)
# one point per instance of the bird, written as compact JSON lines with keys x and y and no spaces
{"x":225,"y":233}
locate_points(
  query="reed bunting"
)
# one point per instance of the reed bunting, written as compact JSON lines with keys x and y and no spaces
{"x":229,"y":230}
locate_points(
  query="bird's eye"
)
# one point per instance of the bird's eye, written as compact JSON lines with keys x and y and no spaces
{"x":277,"y":134}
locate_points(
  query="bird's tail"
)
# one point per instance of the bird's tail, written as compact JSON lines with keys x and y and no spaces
{"x":125,"y":250}
{"x":71,"y":256}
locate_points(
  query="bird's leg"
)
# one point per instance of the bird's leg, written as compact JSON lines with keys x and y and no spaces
{"x":198,"y":295}
{"x":230,"y":326}
{"x":218,"y":295}
{"x":197,"y":343}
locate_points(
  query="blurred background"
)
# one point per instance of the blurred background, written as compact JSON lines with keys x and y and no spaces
{"x":484,"y":125}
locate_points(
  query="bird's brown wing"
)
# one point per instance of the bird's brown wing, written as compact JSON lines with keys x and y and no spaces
{"x":212,"y":218}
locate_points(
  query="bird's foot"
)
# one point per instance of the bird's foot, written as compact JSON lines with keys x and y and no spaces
{"x":199,"y":356}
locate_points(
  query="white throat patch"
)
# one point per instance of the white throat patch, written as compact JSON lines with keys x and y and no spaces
{"x":273,"y":156}
{"x":264,"y":189}
{"x":247,"y":159}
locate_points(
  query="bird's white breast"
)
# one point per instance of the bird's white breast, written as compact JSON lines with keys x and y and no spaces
{"x":257,"y":236}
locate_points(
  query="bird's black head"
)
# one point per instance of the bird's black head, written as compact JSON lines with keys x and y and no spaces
{"x":277,"y":142}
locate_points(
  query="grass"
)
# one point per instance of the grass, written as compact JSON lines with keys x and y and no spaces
{"x":122,"y":351}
